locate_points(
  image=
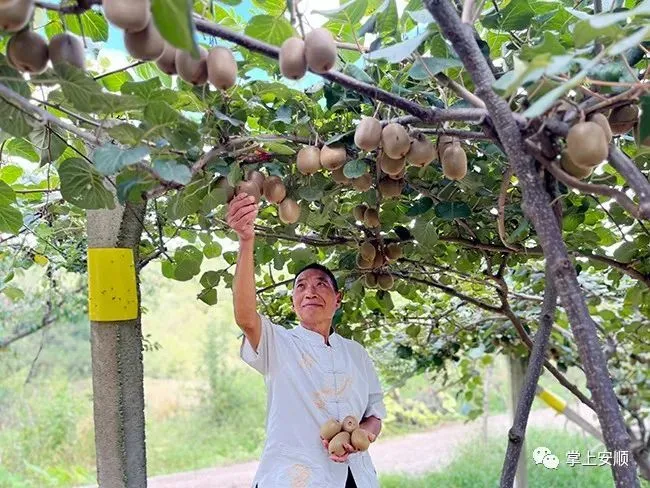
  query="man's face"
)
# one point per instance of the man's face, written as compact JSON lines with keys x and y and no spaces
{"x":314,"y":297}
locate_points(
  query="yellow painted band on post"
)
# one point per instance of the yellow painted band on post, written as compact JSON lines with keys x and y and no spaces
{"x":552,"y":400}
{"x":112,"y":292}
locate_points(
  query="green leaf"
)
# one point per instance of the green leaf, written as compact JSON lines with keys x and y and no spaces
{"x":142,"y":89}
{"x":83,"y":186}
{"x":413,"y":330}
{"x":355,"y":168}
{"x":13,"y":120}
{"x":400,"y":51}
{"x":424,"y":232}
{"x":132,"y":183}
{"x":355,"y":72}
{"x":228,"y":118}
{"x":274,"y":30}
{"x":235,"y":174}
{"x":212,"y":250}
{"x":273,"y":7}
{"x":426,"y":67}
{"x":452,"y":210}
{"x":93,"y":25}
{"x":7,"y":194}
{"x":419,"y":207}
{"x":110,"y":159}
{"x":626,"y":252}
{"x":173,"y":19}
{"x":549,"y":45}
{"x":280,"y":149}
{"x":387,"y":20}
{"x":345,"y":18}
{"x":644,"y":123}
{"x":515,"y":16}
{"x":310,"y":193}
{"x":209,"y":296}
{"x":115,"y":81}
{"x":210,"y":279}
{"x":10,"y":174}
{"x":126,"y":134}
{"x":629,"y":42}
{"x":50,"y":147}
{"x":160,"y":114}
{"x":13,"y":293}
{"x":170,"y":170}
{"x":21,"y":148}
{"x":11,"y":220}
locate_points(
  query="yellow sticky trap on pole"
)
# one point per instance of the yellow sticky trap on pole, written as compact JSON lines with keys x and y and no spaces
{"x":112,"y":294}
{"x":552,"y":400}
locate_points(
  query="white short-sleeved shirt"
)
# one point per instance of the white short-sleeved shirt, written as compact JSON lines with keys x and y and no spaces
{"x":307,"y":383}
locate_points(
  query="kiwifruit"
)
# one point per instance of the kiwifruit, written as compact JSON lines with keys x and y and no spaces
{"x":601,"y":120}
{"x":320,"y":50}
{"x":370,"y":280}
{"x":222,"y":67}
{"x":363,"y":263}
{"x":15,"y":15}
{"x":146,"y":44}
{"x":587,"y":144}
{"x":363,"y":182}
{"x":289,"y":211}
{"x":390,"y":188}
{"x":444,"y":141}
{"x":194,"y":71}
{"x":367,"y":251}
{"x":329,"y":429}
{"x":350,"y":424}
{"x":395,"y":141}
{"x":398,"y":176}
{"x":358,"y":211}
{"x":367,"y":135}
{"x":67,"y":48}
{"x":274,"y":189}
{"x":339,"y":177}
{"x":454,"y":162}
{"x":379,"y":260}
{"x":371,"y":217}
{"x":573,"y":169}
{"x":622,"y":119}
{"x":337,"y":444}
{"x":422,"y":151}
{"x":385,"y":281}
{"x":257,"y":177}
{"x":360,"y":440}
{"x":250,"y":188}
{"x":293,"y":64}
{"x":394,"y":251}
{"x":391,"y":166}
{"x":28,"y":52}
{"x":223,"y":183}
{"x":308,"y":160}
{"x":167,"y":60}
{"x":129,"y":15}
{"x":332,"y":157}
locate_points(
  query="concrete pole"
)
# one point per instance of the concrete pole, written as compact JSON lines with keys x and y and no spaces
{"x":517,"y":376}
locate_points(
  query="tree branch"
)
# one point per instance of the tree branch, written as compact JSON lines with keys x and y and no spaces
{"x":634,"y":177}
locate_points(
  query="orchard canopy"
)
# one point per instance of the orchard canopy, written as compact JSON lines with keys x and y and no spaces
{"x":461,"y":166}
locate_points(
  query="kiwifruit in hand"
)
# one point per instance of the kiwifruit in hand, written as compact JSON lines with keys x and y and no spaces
{"x":329,"y":429}
{"x":194,"y":71}
{"x":308,"y":160}
{"x":367,"y":135}
{"x":394,"y":251}
{"x":454,"y":162}
{"x":274,"y":189}
{"x":363,"y":182}
{"x":339,"y":177}
{"x":385,"y":281}
{"x":363,"y":263}
{"x":395,"y":141}
{"x":15,"y":15}
{"x":390,"y":188}
{"x":444,"y":141}
{"x":358,"y":212}
{"x":28,"y":52}
{"x":146,"y":44}
{"x":573,"y":169}
{"x":67,"y":48}
{"x":320,"y":50}
{"x":370,"y":280}
{"x":293,"y":64}
{"x":587,"y":144}
{"x":391,"y":166}
{"x":367,"y":251}
{"x":332,"y":157}
{"x":360,"y":440}
{"x":337,"y":444}
{"x":371,"y":217}
{"x":257,"y":177}
{"x":250,"y":188}
{"x":422,"y":151}
{"x":601,"y":120}
{"x":223,"y":183}
{"x":349,"y":424}
{"x":289,"y":211}
{"x":222,"y":68}
{"x":167,"y":60}
{"x":622,"y":119}
{"x":129,"y":15}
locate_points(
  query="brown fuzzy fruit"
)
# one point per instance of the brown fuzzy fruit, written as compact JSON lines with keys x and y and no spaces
{"x":147,"y":44}
{"x":395,"y":141}
{"x":454,"y":162}
{"x":350,"y":424}
{"x":329,"y":429}
{"x":360,"y":439}
{"x":339,"y":177}
{"x":167,"y":60}
{"x":394,"y":251}
{"x":14,"y":16}
{"x":320,"y":50}
{"x":601,"y":120}
{"x":367,"y":135}
{"x":28,"y":52}
{"x":370,"y":280}
{"x":587,"y":144}
{"x":391,"y":166}
{"x":67,"y":48}
{"x":358,"y":212}
{"x":332,"y":157}
{"x":337,"y":444}
{"x":289,"y":211}
{"x":293,"y":64}
{"x":398,"y":176}
{"x":257,"y":177}
{"x":622,"y":119}
{"x":228,"y":189}
{"x":308,"y":160}
{"x":422,"y":151}
{"x":363,"y":182}
{"x":222,"y":68}
{"x":367,"y":251}
{"x":128,"y":15}
{"x":379,"y":260}
{"x":443,"y":143}
{"x":573,"y":169}
{"x":385,"y":281}
{"x":250,"y":188}
{"x":363,"y":263}
{"x":193,"y":71}
{"x":273,"y":189}
{"x":371,"y":217}
{"x":390,"y":188}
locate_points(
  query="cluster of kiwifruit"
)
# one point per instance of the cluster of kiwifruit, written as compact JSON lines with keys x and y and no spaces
{"x":310,"y":159}
{"x":372,"y":256}
{"x":317,"y":52}
{"x":345,"y":432}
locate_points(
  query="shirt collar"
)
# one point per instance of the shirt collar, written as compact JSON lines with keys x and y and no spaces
{"x":314,"y":337}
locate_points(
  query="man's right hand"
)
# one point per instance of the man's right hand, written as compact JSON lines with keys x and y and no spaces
{"x":242,"y":211}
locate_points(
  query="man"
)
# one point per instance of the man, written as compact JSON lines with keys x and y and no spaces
{"x":311,"y":373}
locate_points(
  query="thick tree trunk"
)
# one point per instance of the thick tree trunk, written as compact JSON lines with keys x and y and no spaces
{"x":118,"y":393}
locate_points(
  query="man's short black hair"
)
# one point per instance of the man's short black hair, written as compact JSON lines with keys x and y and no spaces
{"x":324,"y":269}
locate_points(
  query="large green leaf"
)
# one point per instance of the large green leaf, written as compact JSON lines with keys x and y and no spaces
{"x":452,"y":210}
{"x":22,"y":149}
{"x":110,"y":159}
{"x":355,"y":168}
{"x":425,"y":232}
{"x":13,"y":120}
{"x":426,"y":67}
{"x":173,"y":19}
{"x":400,"y":51}
{"x":274,"y":30}
{"x":344,"y":19}
{"x":11,"y":220}
{"x":126,"y":134}
{"x":515,"y":16}
{"x":170,"y":170}
{"x":83,"y":186}
{"x":93,"y":25}
{"x":7,"y":195}
{"x":272,"y":7}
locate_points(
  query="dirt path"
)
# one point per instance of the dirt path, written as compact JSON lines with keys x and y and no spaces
{"x":435,"y":450}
